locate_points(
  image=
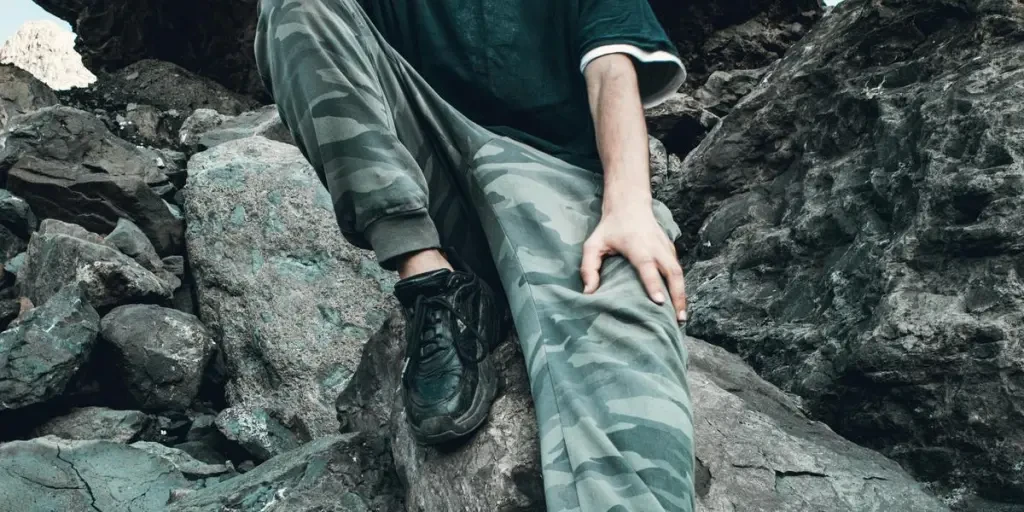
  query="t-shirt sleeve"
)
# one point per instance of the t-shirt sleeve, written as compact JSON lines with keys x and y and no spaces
{"x":630,"y":27}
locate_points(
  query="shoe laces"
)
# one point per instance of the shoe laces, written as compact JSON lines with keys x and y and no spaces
{"x":421,"y":315}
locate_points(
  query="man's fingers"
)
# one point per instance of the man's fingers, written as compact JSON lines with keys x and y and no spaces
{"x":676,"y":286}
{"x":590,"y":269}
{"x":651,"y":278}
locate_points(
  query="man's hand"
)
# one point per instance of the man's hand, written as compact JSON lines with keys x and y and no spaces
{"x":627,"y":227}
{"x":637,"y":236}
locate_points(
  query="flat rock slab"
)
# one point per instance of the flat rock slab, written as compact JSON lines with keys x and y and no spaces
{"x":756,"y":451}
{"x":97,"y":423}
{"x":289,"y":301}
{"x":206,"y":128}
{"x":347,"y":473}
{"x":85,"y":476}
{"x":39,"y":357}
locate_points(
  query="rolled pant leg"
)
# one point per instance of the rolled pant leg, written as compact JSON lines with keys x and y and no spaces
{"x":608,"y":370}
{"x":383,"y":143}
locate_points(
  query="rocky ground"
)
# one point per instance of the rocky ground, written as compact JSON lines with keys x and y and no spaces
{"x":183,"y":327}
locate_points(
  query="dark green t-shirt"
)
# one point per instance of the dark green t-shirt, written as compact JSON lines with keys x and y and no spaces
{"x":515,"y":66}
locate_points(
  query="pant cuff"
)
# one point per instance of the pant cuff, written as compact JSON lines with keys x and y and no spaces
{"x":400,"y":234}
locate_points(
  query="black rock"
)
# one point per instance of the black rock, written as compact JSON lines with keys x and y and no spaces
{"x":41,"y":355}
{"x":856,"y":225}
{"x":160,"y":354}
{"x":68,"y":166}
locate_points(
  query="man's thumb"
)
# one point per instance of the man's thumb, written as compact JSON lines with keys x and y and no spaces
{"x":590,"y":270}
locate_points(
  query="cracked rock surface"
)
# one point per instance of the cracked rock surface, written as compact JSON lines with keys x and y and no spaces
{"x":67,"y":165}
{"x":48,"y":473}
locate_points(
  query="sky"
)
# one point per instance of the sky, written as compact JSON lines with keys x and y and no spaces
{"x":15,"y":12}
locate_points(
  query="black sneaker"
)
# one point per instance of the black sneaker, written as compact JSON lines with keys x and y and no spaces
{"x":453,"y":321}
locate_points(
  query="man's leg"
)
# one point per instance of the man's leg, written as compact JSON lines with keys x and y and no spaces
{"x":371,"y":127}
{"x":383,"y":142}
{"x":608,"y":370}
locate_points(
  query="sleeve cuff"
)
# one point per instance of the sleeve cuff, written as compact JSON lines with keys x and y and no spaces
{"x":660,"y":76}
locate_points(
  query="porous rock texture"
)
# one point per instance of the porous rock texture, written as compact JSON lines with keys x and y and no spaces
{"x":756,"y":450}
{"x":288,"y":300}
{"x":68,"y":166}
{"x":853,"y":229}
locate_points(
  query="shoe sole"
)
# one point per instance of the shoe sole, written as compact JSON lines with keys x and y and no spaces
{"x":444,"y":429}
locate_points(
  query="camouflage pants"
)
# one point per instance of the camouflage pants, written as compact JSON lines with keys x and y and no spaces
{"x":408,"y":172}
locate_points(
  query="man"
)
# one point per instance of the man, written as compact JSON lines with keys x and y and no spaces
{"x":493,"y":149}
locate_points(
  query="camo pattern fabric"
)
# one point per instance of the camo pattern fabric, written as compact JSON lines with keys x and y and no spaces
{"x":406,"y":172}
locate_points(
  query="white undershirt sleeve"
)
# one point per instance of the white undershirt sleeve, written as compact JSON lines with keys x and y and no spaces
{"x":660,"y":74}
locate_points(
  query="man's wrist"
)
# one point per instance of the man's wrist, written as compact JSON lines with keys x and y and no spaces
{"x":634,"y":200}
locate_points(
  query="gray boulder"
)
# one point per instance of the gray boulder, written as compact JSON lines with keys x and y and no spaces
{"x":160,"y":353}
{"x":206,"y":128}
{"x":856,"y":231}
{"x":40,"y":356}
{"x":756,"y":451}
{"x":61,"y":253}
{"x":264,"y":434}
{"x":132,"y":242}
{"x":68,"y":166}
{"x":20,"y":92}
{"x":49,"y":473}
{"x":288,"y":300}
{"x":97,"y":423}
{"x":347,"y":473}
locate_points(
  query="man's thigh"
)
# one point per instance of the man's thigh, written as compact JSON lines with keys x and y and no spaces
{"x":608,"y":369}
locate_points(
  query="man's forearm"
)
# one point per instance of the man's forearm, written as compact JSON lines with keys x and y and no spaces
{"x":621,"y":132}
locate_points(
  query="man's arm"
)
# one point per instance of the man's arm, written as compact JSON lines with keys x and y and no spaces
{"x":627,"y":225}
